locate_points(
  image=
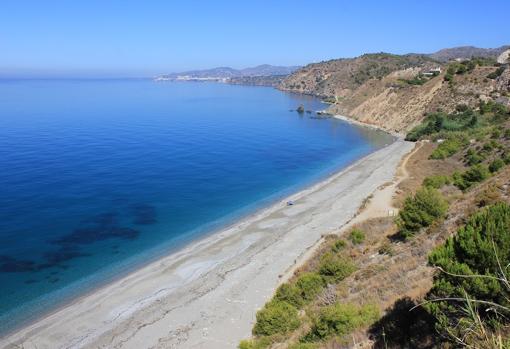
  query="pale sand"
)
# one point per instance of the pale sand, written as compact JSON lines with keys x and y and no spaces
{"x":206,"y":295}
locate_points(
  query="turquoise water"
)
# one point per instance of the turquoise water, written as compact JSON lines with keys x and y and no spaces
{"x":100,"y":176}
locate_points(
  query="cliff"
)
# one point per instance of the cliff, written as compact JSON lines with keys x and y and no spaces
{"x":395,"y":92}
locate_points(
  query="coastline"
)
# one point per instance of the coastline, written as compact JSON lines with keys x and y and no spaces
{"x":363,"y":124}
{"x":214,"y":285}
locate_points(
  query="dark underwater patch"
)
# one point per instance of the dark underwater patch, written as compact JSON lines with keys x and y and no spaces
{"x":12,"y":265}
{"x":106,"y":219}
{"x":85,"y":236}
{"x":100,"y":227}
{"x":55,"y":258}
{"x":143,"y":214}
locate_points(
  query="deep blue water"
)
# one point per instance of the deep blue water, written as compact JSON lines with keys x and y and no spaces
{"x":97,"y":177}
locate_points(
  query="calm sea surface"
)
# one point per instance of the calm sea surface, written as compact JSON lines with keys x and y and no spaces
{"x":99,"y":177}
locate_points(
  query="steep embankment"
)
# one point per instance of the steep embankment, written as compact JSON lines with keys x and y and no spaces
{"x":396,"y":92}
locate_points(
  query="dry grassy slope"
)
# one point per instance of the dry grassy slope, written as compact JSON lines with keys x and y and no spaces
{"x":370,"y":88}
{"x":383,"y":278}
{"x":341,"y":76}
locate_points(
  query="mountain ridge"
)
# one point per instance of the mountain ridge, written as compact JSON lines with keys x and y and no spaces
{"x":219,"y":73}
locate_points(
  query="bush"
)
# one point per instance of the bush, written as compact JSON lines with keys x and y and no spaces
{"x":482,"y":247}
{"x":276,"y":317}
{"x":341,"y":319}
{"x":448,"y":148}
{"x":473,"y":158}
{"x":309,"y":285}
{"x":495,"y":74}
{"x":496,"y":133}
{"x":357,"y":236}
{"x":338,"y":246}
{"x":475,"y":174}
{"x":496,"y":165}
{"x":436,"y":181}
{"x":259,"y":343}
{"x":304,"y":290}
{"x":335,"y":268}
{"x":462,"y":120}
{"x":291,"y":294}
{"x":420,"y":211}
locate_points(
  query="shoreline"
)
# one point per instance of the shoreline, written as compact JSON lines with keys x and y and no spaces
{"x":363,"y":124}
{"x":173,"y":282}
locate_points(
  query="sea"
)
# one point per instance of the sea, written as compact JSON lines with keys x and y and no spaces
{"x":100,"y":177}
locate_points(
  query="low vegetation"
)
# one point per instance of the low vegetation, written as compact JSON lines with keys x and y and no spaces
{"x":475,"y":174}
{"x":420,"y":211}
{"x":276,"y":317}
{"x":340,"y":320}
{"x":474,"y":276}
{"x":455,"y":213}
{"x":437,"y":181}
{"x":448,"y":148}
{"x":357,"y":236}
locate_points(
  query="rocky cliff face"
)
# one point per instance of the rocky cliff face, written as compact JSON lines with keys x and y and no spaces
{"x":394,"y":92}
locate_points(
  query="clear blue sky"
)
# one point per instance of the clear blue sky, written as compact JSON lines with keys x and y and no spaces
{"x":143,"y":38}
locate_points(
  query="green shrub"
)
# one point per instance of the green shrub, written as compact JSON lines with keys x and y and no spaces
{"x":335,"y":268}
{"x":291,"y":294}
{"x":436,"y":181}
{"x":475,"y":174}
{"x":341,"y":319}
{"x":338,"y":246}
{"x":496,"y":165}
{"x":420,"y":211}
{"x":448,"y":148}
{"x":507,"y":133}
{"x":495,"y":74}
{"x":357,"y":236}
{"x":304,"y":290}
{"x":482,"y":247}
{"x":309,"y":285}
{"x":496,"y":133}
{"x":276,"y":317}
{"x":259,"y":343}
{"x":473,"y":158}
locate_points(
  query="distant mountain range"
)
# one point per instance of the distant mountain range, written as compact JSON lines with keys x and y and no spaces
{"x":270,"y":75}
{"x":225,"y":73}
{"x":467,"y":52}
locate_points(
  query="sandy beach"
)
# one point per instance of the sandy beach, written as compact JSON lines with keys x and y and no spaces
{"x":206,"y":295}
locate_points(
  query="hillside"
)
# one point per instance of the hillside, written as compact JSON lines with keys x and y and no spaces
{"x":423,"y":264}
{"x":396,"y":92}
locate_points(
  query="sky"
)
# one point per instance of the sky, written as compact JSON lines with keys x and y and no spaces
{"x":109,"y":38}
